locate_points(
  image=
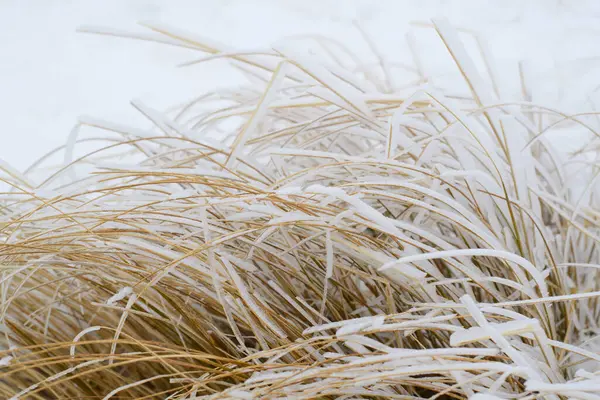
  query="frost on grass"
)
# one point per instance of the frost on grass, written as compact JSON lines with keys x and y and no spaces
{"x":332,"y":229}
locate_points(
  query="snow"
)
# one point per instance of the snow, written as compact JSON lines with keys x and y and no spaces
{"x":80,"y":335}
{"x":66,"y":75}
{"x":120,"y":295}
{"x":5,"y":361}
{"x":484,"y":396}
{"x":475,"y":334}
{"x":50,"y":74}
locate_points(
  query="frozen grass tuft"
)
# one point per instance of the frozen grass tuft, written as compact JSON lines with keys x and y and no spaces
{"x":330,"y":230}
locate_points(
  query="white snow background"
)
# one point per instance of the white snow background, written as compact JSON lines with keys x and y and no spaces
{"x":50,"y":74}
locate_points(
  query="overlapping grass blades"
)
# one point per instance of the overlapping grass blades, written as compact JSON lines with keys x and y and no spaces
{"x":330,"y":232}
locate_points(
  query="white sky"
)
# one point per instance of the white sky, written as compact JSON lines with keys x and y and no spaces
{"x":49,"y":74}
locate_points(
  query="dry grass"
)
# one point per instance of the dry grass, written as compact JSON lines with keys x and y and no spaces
{"x":326,"y":236}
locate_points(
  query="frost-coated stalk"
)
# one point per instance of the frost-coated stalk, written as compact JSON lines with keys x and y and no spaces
{"x":330,"y":230}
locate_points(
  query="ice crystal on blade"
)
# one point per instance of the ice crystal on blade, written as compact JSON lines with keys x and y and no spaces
{"x":332,"y":229}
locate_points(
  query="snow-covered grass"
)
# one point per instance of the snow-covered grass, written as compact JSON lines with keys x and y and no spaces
{"x":331,"y":227}
{"x":50,"y":75}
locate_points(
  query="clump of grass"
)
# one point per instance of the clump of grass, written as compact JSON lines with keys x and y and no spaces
{"x":335,"y":234}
